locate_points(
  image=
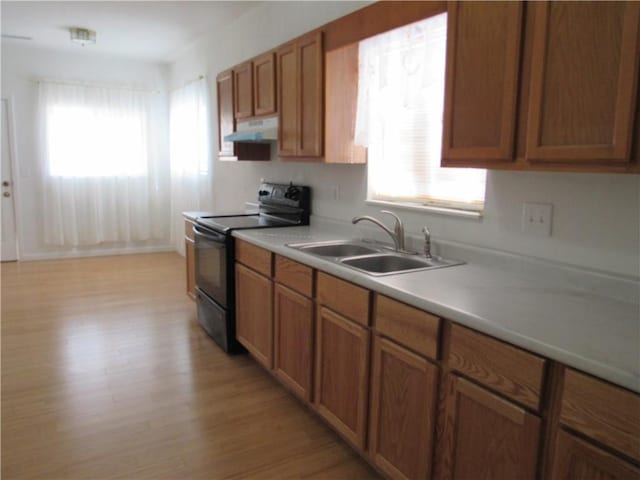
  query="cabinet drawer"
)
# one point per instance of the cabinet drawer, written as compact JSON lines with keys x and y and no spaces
{"x":188,"y":230}
{"x":257,"y":258}
{"x":497,"y":365}
{"x":606,"y":413}
{"x":343,"y":297}
{"x":407,"y":325}
{"x":294,"y":275}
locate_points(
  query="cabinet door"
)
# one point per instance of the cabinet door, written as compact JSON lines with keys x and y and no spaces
{"x":287,"y":100}
{"x":226,"y":124}
{"x":264,"y":86}
{"x":310,"y":123}
{"x":254,"y":314}
{"x":191,"y":273}
{"x":583,"y":82}
{"x":341,"y":376}
{"x":243,"y":92}
{"x":576,"y":459}
{"x":403,"y":388}
{"x":485,"y":437}
{"x":293,"y":345}
{"x":481,"y":88}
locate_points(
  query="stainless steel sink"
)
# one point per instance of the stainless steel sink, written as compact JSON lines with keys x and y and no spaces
{"x":390,"y":263}
{"x":337,"y":248}
{"x":370,"y":258}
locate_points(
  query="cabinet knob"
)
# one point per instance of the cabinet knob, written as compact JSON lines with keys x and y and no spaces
{"x":6,"y":183}
{"x":6,"y":194}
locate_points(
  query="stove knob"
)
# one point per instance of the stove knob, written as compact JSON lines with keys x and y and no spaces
{"x":292,"y":193}
{"x":262,"y":193}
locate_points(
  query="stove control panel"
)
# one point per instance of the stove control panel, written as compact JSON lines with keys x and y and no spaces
{"x":287,"y":196}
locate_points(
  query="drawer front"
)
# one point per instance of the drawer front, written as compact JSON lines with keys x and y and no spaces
{"x":294,"y":275}
{"x":606,"y":413}
{"x":254,"y":257}
{"x":497,"y":365}
{"x":343,"y":297}
{"x":188,"y":230}
{"x":409,"y":326}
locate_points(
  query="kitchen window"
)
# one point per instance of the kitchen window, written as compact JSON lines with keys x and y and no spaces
{"x":399,"y":120}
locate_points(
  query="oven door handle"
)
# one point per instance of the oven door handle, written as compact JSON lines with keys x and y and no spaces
{"x":214,"y":237}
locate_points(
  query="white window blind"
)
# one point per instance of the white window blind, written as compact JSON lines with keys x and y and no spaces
{"x":399,"y":119}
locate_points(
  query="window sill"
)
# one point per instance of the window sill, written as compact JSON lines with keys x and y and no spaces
{"x":454,"y":212}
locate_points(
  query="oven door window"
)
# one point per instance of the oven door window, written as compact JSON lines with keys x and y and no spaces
{"x":211,"y":268}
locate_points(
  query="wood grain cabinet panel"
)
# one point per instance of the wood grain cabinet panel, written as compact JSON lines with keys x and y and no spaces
{"x":254,"y":257}
{"x":342,"y":374}
{"x":344,"y":297}
{"x":497,"y":365}
{"x":341,"y":95}
{"x":264,"y":84}
{"x":226,"y":119}
{"x":294,"y":275}
{"x":243,"y":91}
{"x":413,"y":328}
{"x":403,"y":401}
{"x":606,"y":413}
{"x":576,"y":459}
{"x":254,"y":314}
{"x":485,"y":437}
{"x":293,"y":340}
{"x":584,"y":81}
{"x":301,"y":97}
{"x":287,"y":67}
{"x":481,"y":86}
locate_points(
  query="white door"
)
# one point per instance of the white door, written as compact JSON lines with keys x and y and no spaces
{"x":8,"y":250}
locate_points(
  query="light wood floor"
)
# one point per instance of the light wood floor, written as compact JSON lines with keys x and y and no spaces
{"x":105,"y":374}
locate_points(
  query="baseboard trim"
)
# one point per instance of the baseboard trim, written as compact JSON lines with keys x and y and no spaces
{"x":27,"y":257}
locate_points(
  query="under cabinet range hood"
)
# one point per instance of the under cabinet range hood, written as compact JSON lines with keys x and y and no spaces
{"x":262,"y":130}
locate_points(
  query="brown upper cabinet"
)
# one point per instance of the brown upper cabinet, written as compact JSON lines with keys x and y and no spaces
{"x":556,"y":92}
{"x":243,"y":91}
{"x":300,"y":97}
{"x":264,"y":84}
{"x":483,"y":61}
{"x":226,"y":124}
{"x":583,"y":81}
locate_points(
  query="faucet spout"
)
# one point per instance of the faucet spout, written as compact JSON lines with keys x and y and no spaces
{"x":397,"y":235}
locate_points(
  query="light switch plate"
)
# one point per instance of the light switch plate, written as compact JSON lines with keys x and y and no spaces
{"x":536,"y":218}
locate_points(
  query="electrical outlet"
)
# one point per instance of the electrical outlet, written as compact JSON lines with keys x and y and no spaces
{"x":536,"y":218}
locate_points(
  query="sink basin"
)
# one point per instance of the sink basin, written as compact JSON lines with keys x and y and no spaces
{"x":389,"y":263}
{"x":372,"y":259}
{"x":337,"y":249}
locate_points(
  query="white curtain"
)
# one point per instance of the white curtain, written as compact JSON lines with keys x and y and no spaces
{"x":190,"y":154}
{"x":399,"y":116}
{"x":102,"y":175}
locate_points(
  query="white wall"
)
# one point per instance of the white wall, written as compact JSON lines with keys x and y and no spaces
{"x":596,"y":217}
{"x":21,"y":66}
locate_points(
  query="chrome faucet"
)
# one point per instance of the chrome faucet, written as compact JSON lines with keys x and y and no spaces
{"x":427,"y":242}
{"x":397,"y":234}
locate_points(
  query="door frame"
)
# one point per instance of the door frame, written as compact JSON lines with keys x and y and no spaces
{"x":15,"y":188}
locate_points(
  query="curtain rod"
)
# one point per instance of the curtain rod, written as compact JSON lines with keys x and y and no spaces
{"x":90,"y":84}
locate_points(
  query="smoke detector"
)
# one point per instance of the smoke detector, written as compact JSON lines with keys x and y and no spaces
{"x":82,"y":36}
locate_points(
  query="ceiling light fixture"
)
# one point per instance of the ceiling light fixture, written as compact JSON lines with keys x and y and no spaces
{"x":82,"y":36}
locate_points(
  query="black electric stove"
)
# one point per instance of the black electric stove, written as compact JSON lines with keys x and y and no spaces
{"x":278,"y":206}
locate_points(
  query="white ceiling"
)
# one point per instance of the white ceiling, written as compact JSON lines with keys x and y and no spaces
{"x":154,"y":31}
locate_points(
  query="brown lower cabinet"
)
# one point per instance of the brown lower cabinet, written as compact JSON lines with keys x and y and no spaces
{"x":576,"y":459}
{"x":189,"y":247}
{"x":403,"y":403}
{"x":293,"y":340}
{"x":490,"y":399}
{"x":254,"y":317}
{"x":485,"y":437}
{"x":342,"y":374}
